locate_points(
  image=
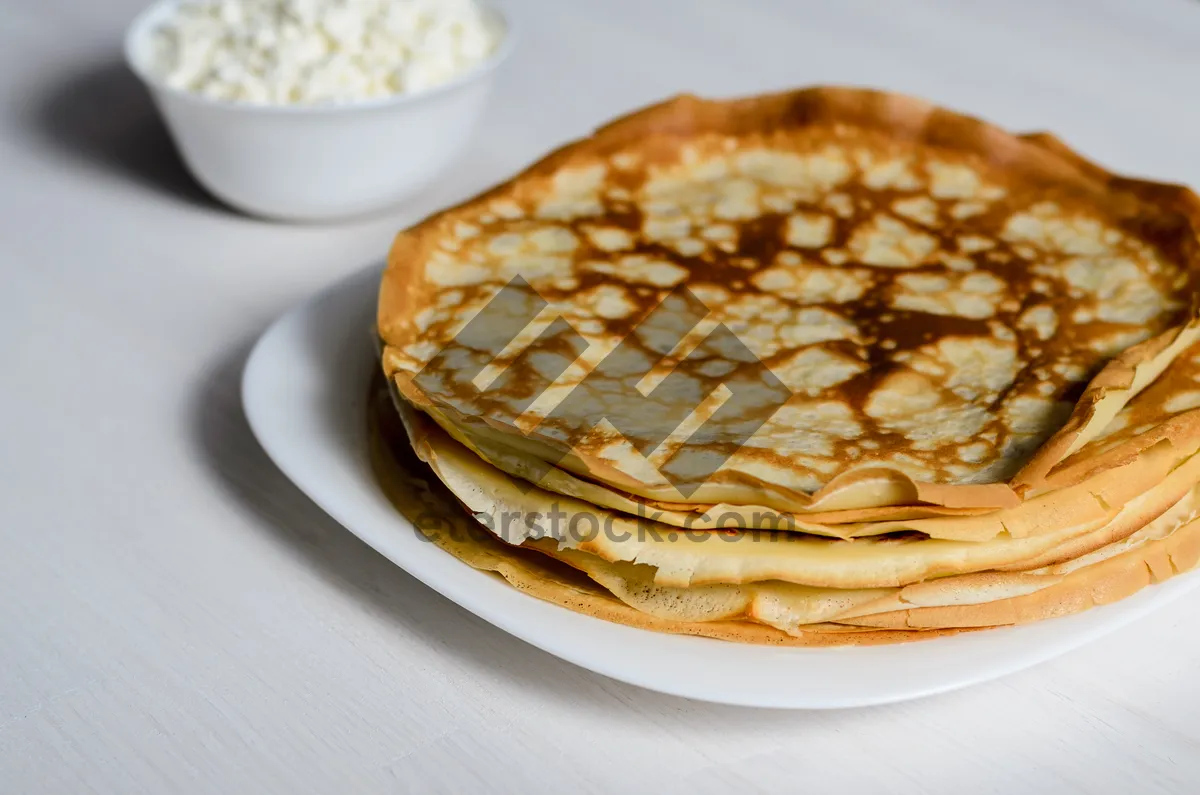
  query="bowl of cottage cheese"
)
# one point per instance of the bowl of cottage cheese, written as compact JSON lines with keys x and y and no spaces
{"x":311,"y":110}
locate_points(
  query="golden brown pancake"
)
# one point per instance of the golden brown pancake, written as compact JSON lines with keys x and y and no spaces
{"x":956,"y":368}
{"x":1104,"y":582}
{"x":903,"y":302}
{"x":437,"y":515}
{"x":775,"y":612}
{"x":1081,"y":518}
{"x":1151,"y":395}
{"x":982,"y":599}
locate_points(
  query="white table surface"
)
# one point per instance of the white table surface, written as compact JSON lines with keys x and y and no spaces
{"x":176,"y":617}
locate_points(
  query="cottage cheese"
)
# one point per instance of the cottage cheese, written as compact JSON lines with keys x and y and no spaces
{"x":285,"y":52}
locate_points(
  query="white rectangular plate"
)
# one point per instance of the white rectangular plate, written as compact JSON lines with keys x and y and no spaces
{"x":305,"y":393}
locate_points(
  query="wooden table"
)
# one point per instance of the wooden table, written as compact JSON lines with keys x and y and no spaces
{"x":176,"y":617}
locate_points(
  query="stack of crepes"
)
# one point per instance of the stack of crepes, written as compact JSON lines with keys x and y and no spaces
{"x":828,"y":366}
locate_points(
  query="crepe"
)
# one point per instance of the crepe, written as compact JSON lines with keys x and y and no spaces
{"x":827,"y":366}
{"x":1157,"y":411}
{"x":902,"y":303}
{"x":699,"y":516}
{"x":1095,"y":512}
{"x":1147,"y":400}
{"x":439,"y":518}
{"x":1166,"y":545}
{"x":1119,"y":574}
{"x":775,"y":612}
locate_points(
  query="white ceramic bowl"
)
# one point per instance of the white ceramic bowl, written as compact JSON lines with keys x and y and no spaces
{"x":316,"y":163}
